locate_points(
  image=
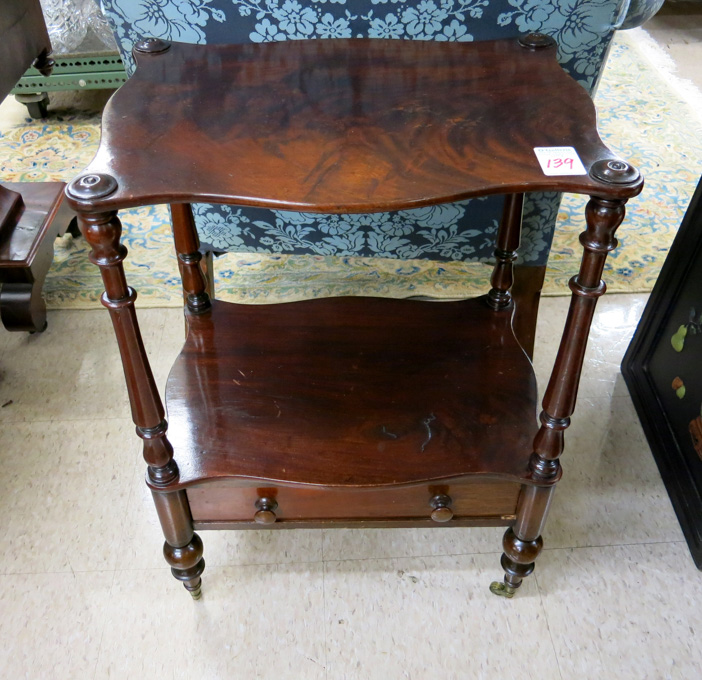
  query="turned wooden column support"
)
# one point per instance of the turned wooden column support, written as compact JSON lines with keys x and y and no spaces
{"x":187,"y":244}
{"x":183,"y":547}
{"x":522,"y":543}
{"x":603,"y":218}
{"x":508,"y":236}
{"x":102,"y":231}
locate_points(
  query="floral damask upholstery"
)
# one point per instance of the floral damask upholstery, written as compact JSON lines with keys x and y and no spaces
{"x":459,"y":231}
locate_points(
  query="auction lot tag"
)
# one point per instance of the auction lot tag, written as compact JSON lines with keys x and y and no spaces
{"x":559,"y":160}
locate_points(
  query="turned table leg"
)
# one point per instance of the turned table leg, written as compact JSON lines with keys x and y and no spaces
{"x":183,"y":548}
{"x":521,"y":284}
{"x":196,"y":286}
{"x":500,"y":295}
{"x":522,"y":543}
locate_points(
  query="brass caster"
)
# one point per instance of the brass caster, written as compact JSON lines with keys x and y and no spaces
{"x":197,"y":593}
{"x":40,"y":330}
{"x":502,"y":589}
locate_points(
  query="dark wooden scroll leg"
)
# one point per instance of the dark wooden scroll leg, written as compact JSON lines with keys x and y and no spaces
{"x":522,"y":543}
{"x":73,"y":229}
{"x":183,"y":548}
{"x":22,"y":306}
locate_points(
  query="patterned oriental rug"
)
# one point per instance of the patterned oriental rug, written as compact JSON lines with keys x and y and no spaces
{"x":646,"y":114}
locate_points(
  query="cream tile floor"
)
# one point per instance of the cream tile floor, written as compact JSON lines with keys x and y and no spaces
{"x":84,"y":591}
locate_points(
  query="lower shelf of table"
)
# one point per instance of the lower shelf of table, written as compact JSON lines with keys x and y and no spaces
{"x":351,"y":394}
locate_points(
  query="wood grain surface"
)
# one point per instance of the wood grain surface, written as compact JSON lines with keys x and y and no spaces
{"x":344,"y":125}
{"x":351,"y":392}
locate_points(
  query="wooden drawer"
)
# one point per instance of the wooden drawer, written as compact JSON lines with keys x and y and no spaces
{"x":236,"y":502}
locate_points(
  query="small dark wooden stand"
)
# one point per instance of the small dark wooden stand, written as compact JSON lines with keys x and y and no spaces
{"x":32,"y":214}
{"x":351,"y":411}
{"x":27,"y":250}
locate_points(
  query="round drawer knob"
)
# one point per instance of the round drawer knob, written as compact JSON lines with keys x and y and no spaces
{"x":442,"y":511}
{"x":265,"y":511}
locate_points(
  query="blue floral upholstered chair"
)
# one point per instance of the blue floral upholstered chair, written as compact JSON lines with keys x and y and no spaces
{"x":583,"y":30}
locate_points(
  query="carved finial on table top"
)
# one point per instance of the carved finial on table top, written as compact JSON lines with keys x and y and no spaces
{"x":536,"y":41}
{"x":152,"y":46}
{"x":614,"y":171}
{"x":91,"y":186}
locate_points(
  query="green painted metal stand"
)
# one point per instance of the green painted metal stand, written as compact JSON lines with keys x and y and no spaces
{"x":84,"y":71}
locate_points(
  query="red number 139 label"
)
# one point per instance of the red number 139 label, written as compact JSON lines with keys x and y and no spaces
{"x":559,"y":160}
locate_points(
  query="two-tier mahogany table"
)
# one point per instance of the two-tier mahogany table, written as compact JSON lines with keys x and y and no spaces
{"x":350,"y":411}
